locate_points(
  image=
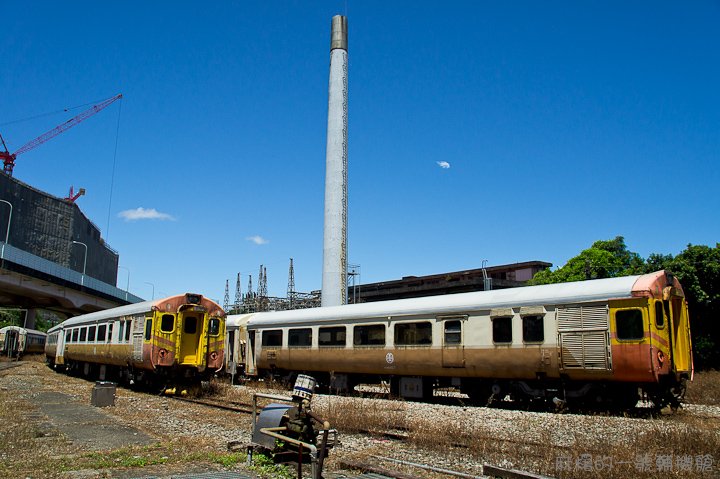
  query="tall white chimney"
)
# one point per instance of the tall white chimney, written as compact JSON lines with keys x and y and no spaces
{"x":334,"y":276}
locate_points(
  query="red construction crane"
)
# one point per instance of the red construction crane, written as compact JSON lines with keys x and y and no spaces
{"x":8,"y":158}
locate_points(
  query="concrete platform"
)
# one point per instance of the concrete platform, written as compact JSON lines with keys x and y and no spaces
{"x":86,"y":425}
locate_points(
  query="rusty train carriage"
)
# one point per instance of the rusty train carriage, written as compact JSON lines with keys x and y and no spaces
{"x":179,"y":338}
{"x":592,"y":341}
{"x":16,"y":341}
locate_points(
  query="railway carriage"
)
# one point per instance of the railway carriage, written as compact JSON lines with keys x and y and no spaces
{"x":591,"y":341}
{"x":16,"y":341}
{"x":168,"y":341}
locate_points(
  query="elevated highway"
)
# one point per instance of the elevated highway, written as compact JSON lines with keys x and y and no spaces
{"x":30,"y":282}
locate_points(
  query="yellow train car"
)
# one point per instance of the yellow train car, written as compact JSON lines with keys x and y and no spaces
{"x":165,"y":342}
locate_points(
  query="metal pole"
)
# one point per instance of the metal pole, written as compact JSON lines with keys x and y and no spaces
{"x":127,"y":286}
{"x":82,"y":280}
{"x":7,"y":232}
{"x":153,"y":289}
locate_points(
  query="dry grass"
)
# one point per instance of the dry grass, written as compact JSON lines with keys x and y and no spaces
{"x":704,"y":388}
{"x":669,"y":446}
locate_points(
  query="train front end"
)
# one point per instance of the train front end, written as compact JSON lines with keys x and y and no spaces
{"x":184,"y":339}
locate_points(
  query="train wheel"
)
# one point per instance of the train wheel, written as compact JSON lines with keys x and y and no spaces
{"x":394,"y":384}
{"x":477,"y":391}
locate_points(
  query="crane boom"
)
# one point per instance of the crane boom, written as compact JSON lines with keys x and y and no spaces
{"x":9,"y":158}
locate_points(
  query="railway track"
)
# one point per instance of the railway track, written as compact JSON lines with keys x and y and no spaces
{"x":233,"y":406}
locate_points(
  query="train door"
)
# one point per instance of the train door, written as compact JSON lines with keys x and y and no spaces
{"x":250,"y":352}
{"x":676,"y":309}
{"x":660,"y":342}
{"x":189,"y":338}
{"x":12,"y":342}
{"x":453,"y":352}
{"x":231,"y":367}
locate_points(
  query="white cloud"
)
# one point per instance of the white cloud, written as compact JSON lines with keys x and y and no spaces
{"x":443,"y":164}
{"x":257,"y":239}
{"x":144,"y":214}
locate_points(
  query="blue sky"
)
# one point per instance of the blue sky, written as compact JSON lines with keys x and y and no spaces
{"x":561,"y":122}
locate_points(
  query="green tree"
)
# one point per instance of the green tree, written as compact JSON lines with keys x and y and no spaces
{"x":9,"y":317}
{"x":604,"y":259}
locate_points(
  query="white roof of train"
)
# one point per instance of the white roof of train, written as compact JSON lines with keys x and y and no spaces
{"x":20,"y":328}
{"x":550,"y":294}
{"x":127,"y":310}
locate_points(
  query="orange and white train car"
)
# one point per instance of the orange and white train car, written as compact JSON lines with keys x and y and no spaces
{"x":175,"y":339}
{"x":593,"y":341}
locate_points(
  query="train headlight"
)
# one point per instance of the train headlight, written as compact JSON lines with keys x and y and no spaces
{"x":162,"y":353}
{"x":193,"y":298}
{"x":214,"y":355}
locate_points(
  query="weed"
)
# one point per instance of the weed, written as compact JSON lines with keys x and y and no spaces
{"x":228,"y":460}
{"x":265,"y":467}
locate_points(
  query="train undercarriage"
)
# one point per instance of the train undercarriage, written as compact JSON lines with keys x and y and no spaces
{"x":540,"y":393}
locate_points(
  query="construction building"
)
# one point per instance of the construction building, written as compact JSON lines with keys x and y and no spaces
{"x":54,"y":229}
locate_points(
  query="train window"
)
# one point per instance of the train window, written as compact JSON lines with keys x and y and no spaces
{"x":167,"y":323}
{"x":372,"y":335}
{"x":659,"y":318}
{"x":190,"y":324}
{"x":83,"y":334}
{"x":214,"y":326}
{"x":68,"y":333}
{"x":502,"y":330}
{"x":332,"y":336}
{"x":629,"y":324}
{"x":101,"y":333}
{"x":413,"y":334}
{"x":121,"y":331}
{"x":453,"y":332}
{"x":75,"y":333}
{"x":127,"y":331}
{"x":300,"y":337}
{"x":109,"y":335}
{"x":148,"y":329}
{"x":91,"y":334}
{"x":533,"y":329}
{"x":272,"y":338}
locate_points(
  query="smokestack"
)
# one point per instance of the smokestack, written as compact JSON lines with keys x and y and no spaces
{"x":334,"y":276}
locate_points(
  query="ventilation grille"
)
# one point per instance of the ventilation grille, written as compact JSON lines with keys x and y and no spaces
{"x":582,"y":318}
{"x":583,"y":336}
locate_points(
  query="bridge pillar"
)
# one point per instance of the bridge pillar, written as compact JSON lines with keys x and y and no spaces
{"x":30,"y":315}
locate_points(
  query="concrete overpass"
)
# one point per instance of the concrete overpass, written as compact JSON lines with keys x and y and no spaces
{"x":30,"y":282}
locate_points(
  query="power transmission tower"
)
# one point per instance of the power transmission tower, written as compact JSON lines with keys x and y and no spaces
{"x":250,"y":291}
{"x":262,"y":282}
{"x":226,"y":302}
{"x":238,"y":294}
{"x":291,"y":285}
